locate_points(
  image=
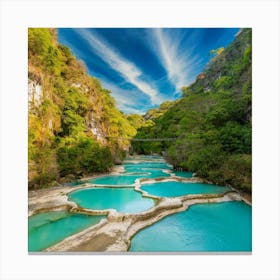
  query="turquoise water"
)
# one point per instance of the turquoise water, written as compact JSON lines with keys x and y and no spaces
{"x":213,"y":227}
{"x":148,"y":173}
{"x":183,"y":174}
{"x":120,"y":180}
{"x":147,"y":164}
{"x":46,"y":229}
{"x":171,"y":189}
{"x":152,"y":169}
{"x":133,"y":172}
{"x":156,"y":173}
{"x":125,"y":200}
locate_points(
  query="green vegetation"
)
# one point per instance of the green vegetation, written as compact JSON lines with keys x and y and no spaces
{"x":147,"y":128}
{"x":212,"y":120}
{"x":75,"y":128}
{"x":84,"y":155}
{"x":73,"y":121}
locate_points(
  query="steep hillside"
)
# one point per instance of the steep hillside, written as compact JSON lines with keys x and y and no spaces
{"x":212,"y":121}
{"x":73,"y":121}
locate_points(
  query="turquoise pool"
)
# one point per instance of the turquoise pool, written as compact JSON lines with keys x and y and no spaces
{"x":125,"y":200}
{"x":130,"y":175}
{"x":170,"y":189}
{"x":147,"y":164}
{"x":152,"y":169}
{"x":183,"y":174}
{"x":213,"y":227}
{"x":119,"y":180}
{"x":46,"y":229}
{"x":155,"y":173}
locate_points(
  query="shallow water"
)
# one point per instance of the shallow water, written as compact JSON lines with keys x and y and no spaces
{"x":74,"y":183}
{"x":133,"y":172}
{"x":213,"y":227}
{"x":170,"y":189}
{"x":147,"y":164}
{"x":183,"y":174}
{"x":152,"y":169}
{"x":46,"y":229}
{"x":119,"y":180}
{"x":125,"y":200}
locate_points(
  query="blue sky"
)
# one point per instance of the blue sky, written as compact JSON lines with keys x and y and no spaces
{"x":144,"y":67}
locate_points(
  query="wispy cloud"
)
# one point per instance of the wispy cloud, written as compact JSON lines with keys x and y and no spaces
{"x":129,"y":71}
{"x":175,"y":57}
{"x":127,"y":101}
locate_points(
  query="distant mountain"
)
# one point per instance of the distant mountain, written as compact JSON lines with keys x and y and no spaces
{"x":212,"y":120}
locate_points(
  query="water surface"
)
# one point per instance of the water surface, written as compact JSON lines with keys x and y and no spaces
{"x":150,"y":169}
{"x":183,"y":174}
{"x":213,"y":227}
{"x":125,"y":200}
{"x":119,"y":180}
{"x":147,"y":164}
{"x":170,"y":189}
{"x":46,"y":229}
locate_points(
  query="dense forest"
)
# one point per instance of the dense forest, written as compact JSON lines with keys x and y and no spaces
{"x":212,"y":120}
{"x":73,"y":123}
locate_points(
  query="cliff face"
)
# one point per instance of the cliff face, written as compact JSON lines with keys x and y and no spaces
{"x":212,"y":120}
{"x":231,"y":69}
{"x":229,"y":72}
{"x":71,"y":117}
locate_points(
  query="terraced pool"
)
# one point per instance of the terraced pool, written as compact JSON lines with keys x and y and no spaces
{"x":171,"y":189}
{"x":213,"y":227}
{"x":46,"y":229}
{"x":124,"y":200}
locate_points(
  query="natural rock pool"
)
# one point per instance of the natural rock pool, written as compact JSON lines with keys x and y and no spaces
{"x":46,"y":229}
{"x":147,"y":164}
{"x":116,"y":180}
{"x":124,"y":200}
{"x":213,"y":227}
{"x":171,"y":189}
{"x":151,"y":169}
